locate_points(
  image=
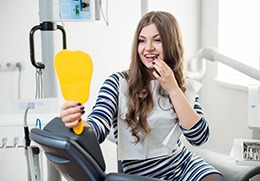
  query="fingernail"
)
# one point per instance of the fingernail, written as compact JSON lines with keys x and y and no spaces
{"x":82,"y":107}
{"x":79,"y":104}
{"x":82,"y":112}
{"x":79,"y":120}
{"x":153,"y":63}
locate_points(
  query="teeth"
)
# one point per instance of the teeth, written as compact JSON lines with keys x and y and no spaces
{"x":150,"y":56}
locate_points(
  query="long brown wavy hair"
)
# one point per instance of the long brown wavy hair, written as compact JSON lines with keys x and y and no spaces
{"x":138,"y":76}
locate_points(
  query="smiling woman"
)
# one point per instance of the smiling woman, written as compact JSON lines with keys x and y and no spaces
{"x":149,"y":106}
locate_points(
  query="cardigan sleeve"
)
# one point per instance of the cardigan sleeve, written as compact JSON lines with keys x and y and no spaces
{"x":199,"y":133}
{"x":105,"y":109}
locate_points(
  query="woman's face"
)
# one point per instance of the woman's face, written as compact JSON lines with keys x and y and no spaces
{"x":150,"y":45}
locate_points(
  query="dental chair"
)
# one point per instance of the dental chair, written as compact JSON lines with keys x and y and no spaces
{"x":79,"y":157}
{"x":76,"y":157}
{"x":228,"y":167}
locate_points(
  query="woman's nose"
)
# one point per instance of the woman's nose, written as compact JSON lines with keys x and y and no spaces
{"x":149,"y":46}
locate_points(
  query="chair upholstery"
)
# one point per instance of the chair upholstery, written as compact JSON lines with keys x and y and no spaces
{"x":76,"y":157}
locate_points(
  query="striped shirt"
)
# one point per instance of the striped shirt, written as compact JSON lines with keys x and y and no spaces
{"x":181,"y":164}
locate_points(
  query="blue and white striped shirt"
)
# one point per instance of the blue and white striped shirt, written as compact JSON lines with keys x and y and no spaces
{"x":181,"y":164}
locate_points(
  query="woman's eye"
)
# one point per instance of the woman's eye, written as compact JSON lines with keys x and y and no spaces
{"x":157,"y":40}
{"x":141,"y":41}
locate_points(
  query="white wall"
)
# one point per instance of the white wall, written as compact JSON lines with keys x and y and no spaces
{"x":225,"y":107}
{"x":109,"y":47}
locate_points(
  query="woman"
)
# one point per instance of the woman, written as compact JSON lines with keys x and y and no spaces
{"x":149,"y":106}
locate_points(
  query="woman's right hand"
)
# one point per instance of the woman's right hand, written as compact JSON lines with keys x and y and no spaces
{"x":71,"y":112}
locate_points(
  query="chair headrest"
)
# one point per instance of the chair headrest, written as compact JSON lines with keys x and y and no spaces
{"x":87,"y":140}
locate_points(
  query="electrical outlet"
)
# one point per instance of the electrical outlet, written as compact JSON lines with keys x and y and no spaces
{"x":11,"y":66}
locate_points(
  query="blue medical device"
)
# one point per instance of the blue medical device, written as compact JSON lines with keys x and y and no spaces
{"x":79,"y":10}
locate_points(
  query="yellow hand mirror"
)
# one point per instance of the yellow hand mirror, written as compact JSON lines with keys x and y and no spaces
{"x":74,"y":70}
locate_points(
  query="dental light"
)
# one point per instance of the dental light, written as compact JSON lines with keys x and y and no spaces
{"x":212,"y":54}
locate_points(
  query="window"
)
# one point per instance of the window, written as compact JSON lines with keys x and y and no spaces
{"x":239,"y":37}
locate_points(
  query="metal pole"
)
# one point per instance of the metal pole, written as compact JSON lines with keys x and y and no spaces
{"x":144,"y":7}
{"x":49,"y":79}
{"x":48,"y":54}
{"x":48,"y":48}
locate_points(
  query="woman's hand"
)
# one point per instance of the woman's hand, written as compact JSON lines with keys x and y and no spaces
{"x":164,"y":74}
{"x":71,"y":112}
{"x":188,"y":117}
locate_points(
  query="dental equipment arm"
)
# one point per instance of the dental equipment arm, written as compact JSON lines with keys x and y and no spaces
{"x":212,"y":54}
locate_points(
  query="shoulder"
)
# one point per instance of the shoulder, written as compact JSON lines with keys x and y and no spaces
{"x":116,"y":76}
{"x":113,"y":81}
{"x":192,"y":90}
{"x":192,"y":85}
